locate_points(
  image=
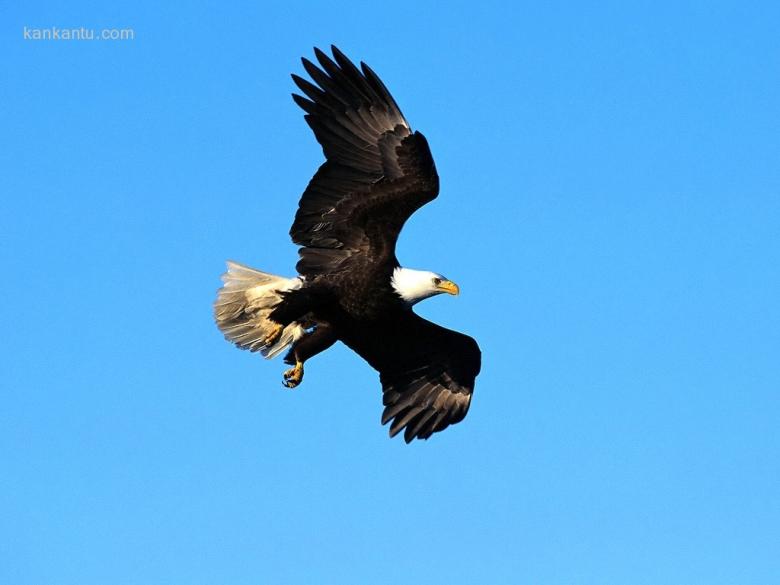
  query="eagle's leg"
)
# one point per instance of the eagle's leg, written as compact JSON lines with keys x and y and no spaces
{"x":320,"y":339}
{"x":294,"y":305}
{"x":274,"y":335}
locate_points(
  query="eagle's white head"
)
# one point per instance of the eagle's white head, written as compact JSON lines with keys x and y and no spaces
{"x":416,"y":285}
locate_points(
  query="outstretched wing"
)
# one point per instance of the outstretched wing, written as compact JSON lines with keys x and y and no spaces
{"x":378,"y":172}
{"x":428,"y":380}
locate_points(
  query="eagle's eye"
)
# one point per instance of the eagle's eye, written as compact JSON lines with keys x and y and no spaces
{"x":436,"y":281}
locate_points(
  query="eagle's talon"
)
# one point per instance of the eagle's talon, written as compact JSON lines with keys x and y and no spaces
{"x":293,"y":376}
{"x":273,"y":337}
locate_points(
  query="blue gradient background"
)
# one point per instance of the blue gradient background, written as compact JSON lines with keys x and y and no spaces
{"x":610,"y":207}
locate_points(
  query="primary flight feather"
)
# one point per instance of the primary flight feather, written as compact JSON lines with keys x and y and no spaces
{"x":351,"y":287}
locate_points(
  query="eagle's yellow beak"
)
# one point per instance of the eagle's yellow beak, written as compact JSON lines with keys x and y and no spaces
{"x":449,"y":287}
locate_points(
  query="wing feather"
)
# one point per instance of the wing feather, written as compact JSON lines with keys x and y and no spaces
{"x":427,"y":374}
{"x":377,"y":173}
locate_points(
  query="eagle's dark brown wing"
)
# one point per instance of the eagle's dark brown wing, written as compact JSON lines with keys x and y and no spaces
{"x":378,"y":172}
{"x":428,"y":380}
{"x":427,"y":371}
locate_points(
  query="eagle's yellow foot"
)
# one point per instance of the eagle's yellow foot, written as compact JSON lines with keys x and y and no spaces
{"x":293,"y":376}
{"x":274,"y":336}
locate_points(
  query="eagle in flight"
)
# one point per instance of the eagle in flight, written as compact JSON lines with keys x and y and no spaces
{"x":351,"y":287}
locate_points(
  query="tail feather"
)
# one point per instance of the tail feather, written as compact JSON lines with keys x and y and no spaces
{"x":244,"y":303}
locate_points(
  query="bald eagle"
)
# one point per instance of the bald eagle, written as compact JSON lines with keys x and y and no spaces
{"x":351,"y":288}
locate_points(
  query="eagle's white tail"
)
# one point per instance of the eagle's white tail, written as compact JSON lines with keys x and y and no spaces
{"x":244,"y":303}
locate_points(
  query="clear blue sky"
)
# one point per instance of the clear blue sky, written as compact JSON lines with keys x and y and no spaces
{"x":610,"y":207}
